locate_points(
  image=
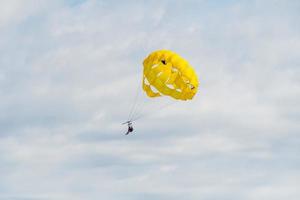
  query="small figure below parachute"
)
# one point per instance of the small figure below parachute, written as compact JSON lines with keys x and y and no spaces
{"x":130,"y":128}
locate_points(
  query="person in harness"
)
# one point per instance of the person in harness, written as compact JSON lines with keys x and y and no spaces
{"x":130,"y":128}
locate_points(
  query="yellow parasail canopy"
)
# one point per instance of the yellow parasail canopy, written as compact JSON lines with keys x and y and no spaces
{"x":168,"y":74}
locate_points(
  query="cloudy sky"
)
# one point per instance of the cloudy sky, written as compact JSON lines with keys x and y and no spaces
{"x":69,"y":72}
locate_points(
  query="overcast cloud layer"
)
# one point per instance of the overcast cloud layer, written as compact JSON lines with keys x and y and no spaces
{"x":69,"y":71}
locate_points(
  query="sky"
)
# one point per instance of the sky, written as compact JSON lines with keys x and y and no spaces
{"x":69,"y":74}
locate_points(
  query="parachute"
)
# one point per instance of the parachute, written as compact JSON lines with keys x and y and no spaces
{"x":167,"y":74}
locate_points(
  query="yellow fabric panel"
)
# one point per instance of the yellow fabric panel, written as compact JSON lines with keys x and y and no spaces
{"x":165,"y":67}
{"x":180,"y":84}
{"x":177,"y":95}
{"x":164,"y":77}
{"x":195,"y":83}
{"x":166,"y":91}
{"x":149,"y":91}
{"x":172,"y":78}
{"x":151,"y":77}
{"x":158,"y":69}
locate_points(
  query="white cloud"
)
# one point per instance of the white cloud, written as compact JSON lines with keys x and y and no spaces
{"x":15,"y":11}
